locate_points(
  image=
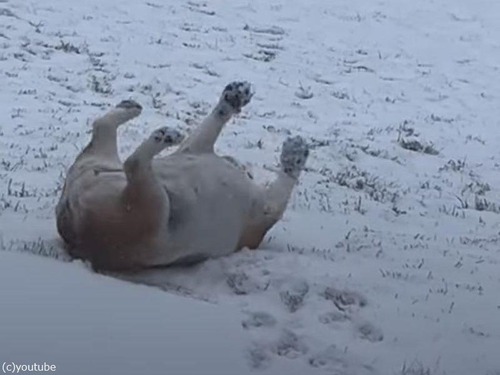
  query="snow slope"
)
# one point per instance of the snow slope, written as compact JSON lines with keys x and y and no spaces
{"x":387,"y":261}
{"x":85,"y":324}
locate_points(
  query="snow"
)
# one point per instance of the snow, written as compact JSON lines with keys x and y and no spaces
{"x":85,"y":323}
{"x":386,"y":261}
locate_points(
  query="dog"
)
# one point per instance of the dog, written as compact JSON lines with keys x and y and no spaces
{"x":180,"y":208}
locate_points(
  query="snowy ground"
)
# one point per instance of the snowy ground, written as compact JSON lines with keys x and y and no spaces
{"x":387,"y":261}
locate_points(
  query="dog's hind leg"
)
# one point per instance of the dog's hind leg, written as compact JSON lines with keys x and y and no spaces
{"x":101,"y":153}
{"x":103,"y":143}
{"x":276,"y":195}
{"x":234,"y":97}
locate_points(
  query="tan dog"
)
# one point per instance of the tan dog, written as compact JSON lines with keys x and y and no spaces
{"x":183,"y":207}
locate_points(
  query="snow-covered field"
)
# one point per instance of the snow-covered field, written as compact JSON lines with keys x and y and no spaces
{"x":388,"y":258}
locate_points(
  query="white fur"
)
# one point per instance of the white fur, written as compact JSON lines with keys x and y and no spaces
{"x":184,"y":207}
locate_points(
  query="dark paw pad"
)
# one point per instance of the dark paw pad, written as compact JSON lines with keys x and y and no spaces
{"x":129,"y":104}
{"x":294,"y":154}
{"x":168,"y":136}
{"x":237,"y":94}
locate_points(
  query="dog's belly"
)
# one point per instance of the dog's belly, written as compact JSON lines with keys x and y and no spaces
{"x":210,"y":203}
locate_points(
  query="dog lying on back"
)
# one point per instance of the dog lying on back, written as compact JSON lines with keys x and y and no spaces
{"x":184,"y":207}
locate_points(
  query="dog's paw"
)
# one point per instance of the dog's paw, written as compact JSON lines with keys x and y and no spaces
{"x":294,"y":154}
{"x":237,"y":95}
{"x":129,"y":104}
{"x":167,"y":136}
{"x":130,"y":107}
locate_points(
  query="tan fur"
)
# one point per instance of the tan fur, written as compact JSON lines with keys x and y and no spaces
{"x":252,"y":236}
